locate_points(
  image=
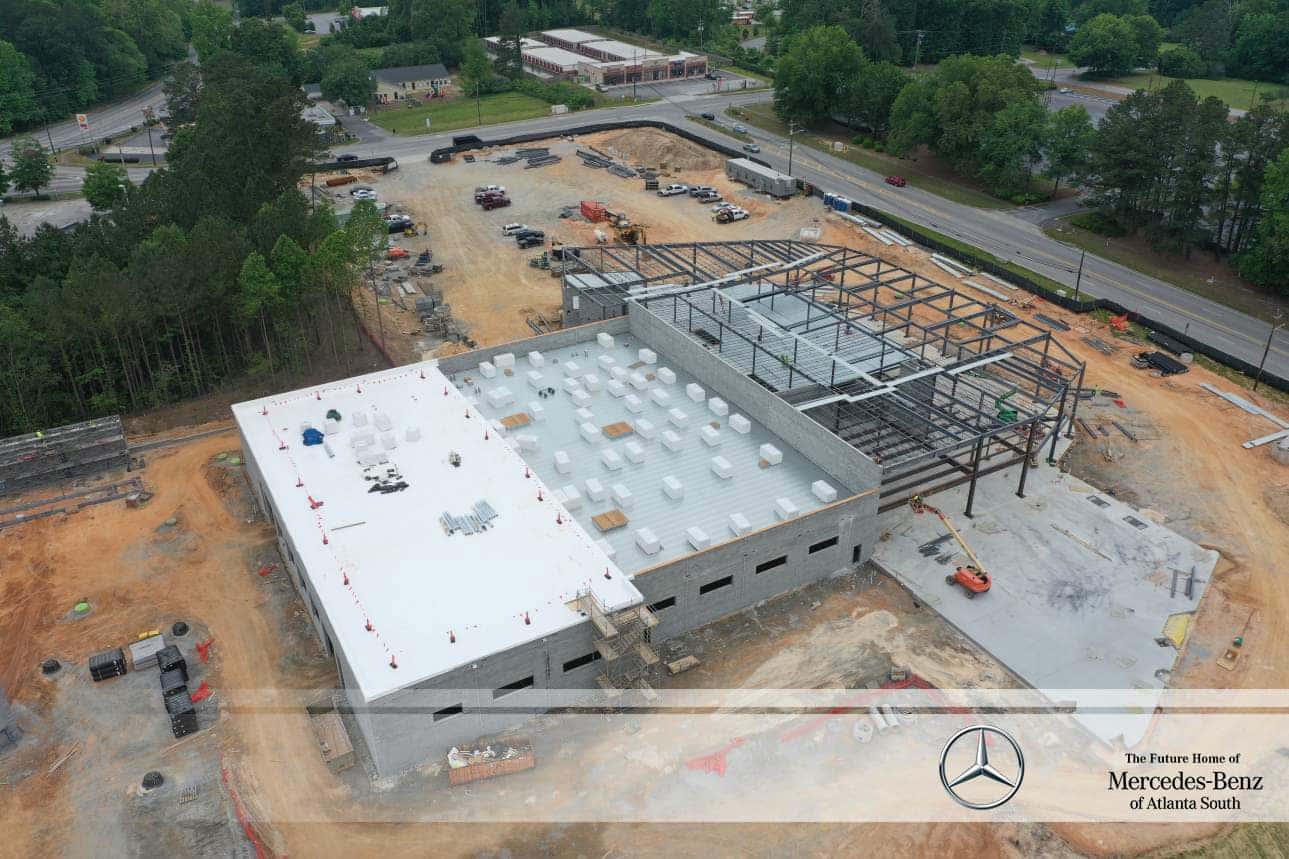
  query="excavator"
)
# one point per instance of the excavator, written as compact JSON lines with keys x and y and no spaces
{"x":973,"y":577}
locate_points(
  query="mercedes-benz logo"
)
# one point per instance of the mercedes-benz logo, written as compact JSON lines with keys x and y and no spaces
{"x":982,"y":768}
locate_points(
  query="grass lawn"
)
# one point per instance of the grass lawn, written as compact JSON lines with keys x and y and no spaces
{"x":756,"y":76}
{"x":1200,"y":274}
{"x":762,"y":116}
{"x":1235,"y":92}
{"x":452,"y":114}
{"x":1043,"y":59}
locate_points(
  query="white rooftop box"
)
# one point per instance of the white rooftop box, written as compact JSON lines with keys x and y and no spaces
{"x":535,"y":379}
{"x":634,"y":450}
{"x":388,"y":441}
{"x":572,"y":498}
{"x":487,"y":370}
{"x":595,"y":490}
{"x":697,"y":537}
{"x":666,"y":375}
{"x":526,"y":441}
{"x":638,"y":381}
{"x":607,"y":548}
{"x":617,"y":389}
{"x":621,"y":495}
{"x":671,"y":441}
{"x":634,"y":404}
{"x":771,"y":454}
{"x":536,"y":359}
{"x":572,"y":369}
{"x":571,"y":385}
{"x":710,"y":435}
{"x":620,"y":373}
{"x":824,"y":491}
{"x":536,"y":411}
{"x":591,"y":432}
{"x":504,"y":361}
{"x":611,"y":458}
{"x":581,"y":399}
{"x":359,"y":419}
{"x":718,"y":406}
{"x":785,"y":509}
{"x":722,"y":468}
{"x":498,"y":427}
{"x":660,"y":397}
{"x":739,"y":524}
{"x":648,"y":541}
{"x":678,"y":418}
{"x":584,"y":415}
{"x":740,"y":424}
{"x":605,"y":340}
{"x":606,"y":362}
{"x":645,"y":428}
{"x":695,"y":392}
{"x":592,"y":382}
{"x":673,"y":487}
{"x":647,"y":356}
{"x":384,"y":424}
{"x":563,"y":462}
{"x":498,"y":396}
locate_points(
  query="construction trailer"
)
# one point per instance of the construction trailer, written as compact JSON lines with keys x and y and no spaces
{"x":477,"y":537}
{"x":936,"y":387}
{"x":760,"y":177}
{"x":62,"y":453}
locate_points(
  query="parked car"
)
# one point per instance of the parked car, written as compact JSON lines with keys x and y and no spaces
{"x":897,"y":181}
{"x":365,"y":194}
{"x":528,"y":233}
{"x":751,"y":147}
{"x":672,"y":190}
{"x":480,"y":196}
{"x":525,"y":242}
{"x":709,"y":198}
{"x":733,"y":213}
{"x":511,"y":229}
{"x":478,"y":189}
{"x":495,"y":201}
{"x":696,"y":190}
{"x":348,"y":156}
{"x":397,"y":223}
{"x":740,"y":129}
{"x":1064,"y":90}
{"x":709,"y":116}
{"x":357,"y":188}
{"x":397,"y":253}
{"x":722,"y":205}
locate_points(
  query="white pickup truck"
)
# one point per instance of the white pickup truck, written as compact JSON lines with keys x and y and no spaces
{"x":733,"y":213}
{"x":673,"y":190}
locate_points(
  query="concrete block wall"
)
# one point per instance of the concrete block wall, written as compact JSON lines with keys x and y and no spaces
{"x":821,"y":447}
{"x":467,"y":361}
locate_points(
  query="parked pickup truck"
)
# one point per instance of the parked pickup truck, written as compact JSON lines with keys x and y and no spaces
{"x":699,"y":190}
{"x":672,"y":190}
{"x":512,"y":229}
{"x":494,"y":201}
{"x":733,"y":213}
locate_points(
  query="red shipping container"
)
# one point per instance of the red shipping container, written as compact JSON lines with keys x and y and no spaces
{"x":593,"y":211}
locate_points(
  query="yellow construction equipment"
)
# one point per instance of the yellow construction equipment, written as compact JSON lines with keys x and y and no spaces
{"x":632,"y":234}
{"x":973,"y":577}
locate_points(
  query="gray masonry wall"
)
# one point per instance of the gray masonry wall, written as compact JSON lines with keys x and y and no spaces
{"x":555,"y":340}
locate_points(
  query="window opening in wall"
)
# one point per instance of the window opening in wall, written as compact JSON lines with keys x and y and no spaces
{"x":855,"y":555}
{"x":574,"y":664}
{"x":771,"y":564}
{"x":512,"y":687}
{"x":716,"y":585}
{"x":823,"y":544}
{"x":448,"y":712}
{"x":662,"y":604}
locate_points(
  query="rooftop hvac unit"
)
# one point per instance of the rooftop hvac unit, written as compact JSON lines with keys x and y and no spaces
{"x":648,"y":541}
{"x":605,"y":340}
{"x":722,"y":468}
{"x":617,"y":389}
{"x":572,"y":369}
{"x":498,"y":427}
{"x":697,"y":537}
{"x":536,"y":411}
{"x":571,"y":385}
{"x":673,"y":487}
{"x":592,"y":382}
{"x":666,"y":375}
{"x":660,"y":397}
{"x":526,"y":441}
{"x":622,"y":495}
{"x":583,"y":415}
{"x":647,"y":356}
{"x":739,"y":524}
{"x":606,"y":362}
{"x":595,"y":490}
{"x":563,"y":462}
{"x":785,"y":509}
{"x":499,"y":396}
{"x":678,"y":418}
{"x":634,"y":404}
{"x":487,"y":370}
{"x":362,"y":440}
{"x":383,"y":423}
{"x":771,"y":454}
{"x":710,"y":435}
{"x":671,"y":440}
{"x":412,"y":434}
{"x":331,"y":426}
{"x":740,"y":424}
{"x":635,"y":451}
{"x":611,"y":458}
{"x":581,"y":399}
{"x":535,"y":379}
{"x":607,"y":548}
{"x":620,"y":373}
{"x":645,"y":428}
{"x":824,"y":491}
{"x":591,"y":433}
{"x":360,"y":419}
{"x":695,"y":392}
{"x":504,"y":361}
{"x":638,"y":381}
{"x":572,"y":498}
{"x":536,"y":359}
{"x":718,"y":406}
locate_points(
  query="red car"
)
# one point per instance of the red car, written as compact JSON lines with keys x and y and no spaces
{"x":897,"y":181}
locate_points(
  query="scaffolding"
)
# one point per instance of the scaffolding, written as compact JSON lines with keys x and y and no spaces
{"x":63,"y":453}
{"x":622,"y":640}
{"x":937,"y":387}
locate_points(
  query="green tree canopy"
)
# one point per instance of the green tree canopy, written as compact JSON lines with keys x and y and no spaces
{"x":813,"y":74}
{"x":105,"y":185}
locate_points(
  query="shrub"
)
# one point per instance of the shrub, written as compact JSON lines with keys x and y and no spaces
{"x":1182,"y":62}
{"x":1101,"y":223}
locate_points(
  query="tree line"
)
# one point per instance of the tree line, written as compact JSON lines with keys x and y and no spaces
{"x":216,"y":267}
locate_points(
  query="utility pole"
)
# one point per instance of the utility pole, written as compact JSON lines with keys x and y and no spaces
{"x":1078,"y":279}
{"x":1266,"y":351}
{"x":792,"y":131}
{"x":701,"y":25}
{"x":635,"y":79}
{"x":147,"y":123}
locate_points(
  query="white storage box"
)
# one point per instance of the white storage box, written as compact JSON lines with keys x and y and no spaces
{"x":606,"y":362}
{"x":581,"y":399}
{"x":487,"y":370}
{"x":671,"y":440}
{"x":617,"y":389}
{"x":620,"y":373}
{"x":666,"y":375}
{"x":605,"y":340}
{"x":611,"y":458}
{"x":740,"y":424}
{"x":572,"y":498}
{"x":583,"y":415}
{"x":563,"y":462}
{"x":695,"y":392}
{"x":634,"y":404}
{"x":536,"y":359}
{"x":824,"y":491}
{"x":499,"y":396}
{"x":634,"y":451}
{"x":504,"y":361}
{"x":722,"y":468}
{"x":536,"y":411}
{"x":571,"y":385}
{"x":621,"y":495}
{"x":678,"y":418}
{"x":660,"y":397}
{"x":673,"y":487}
{"x":572,"y":369}
{"x":648,"y":541}
{"x":697,"y":537}
{"x":710,"y":435}
{"x":638,"y":381}
{"x":591,"y":432}
{"x":595,"y":490}
{"x":592,"y":382}
{"x":526,"y":441}
{"x":739,"y":524}
{"x":771,"y":454}
{"x":647,"y":356}
{"x":535,"y":379}
{"x":785,"y":509}
{"x":718,"y":406}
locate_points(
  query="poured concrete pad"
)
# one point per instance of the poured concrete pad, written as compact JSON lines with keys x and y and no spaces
{"x":1079,"y":594}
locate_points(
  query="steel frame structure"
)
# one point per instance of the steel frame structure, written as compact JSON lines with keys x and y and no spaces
{"x":936,"y":386}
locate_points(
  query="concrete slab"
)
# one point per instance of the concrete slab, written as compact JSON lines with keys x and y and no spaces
{"x":1079,"y":595}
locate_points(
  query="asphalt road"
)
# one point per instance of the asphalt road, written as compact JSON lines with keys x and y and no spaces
{"x":1007,"y":234}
